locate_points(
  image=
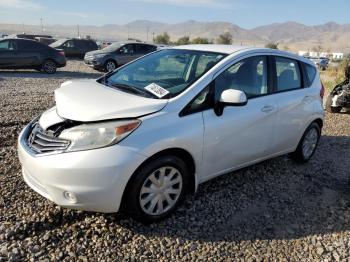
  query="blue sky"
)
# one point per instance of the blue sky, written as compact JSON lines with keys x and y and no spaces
{"x":245,"y":13}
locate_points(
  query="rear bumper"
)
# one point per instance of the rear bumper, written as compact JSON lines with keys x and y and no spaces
{"x":61,"y":61}
{"x":96,"y":178}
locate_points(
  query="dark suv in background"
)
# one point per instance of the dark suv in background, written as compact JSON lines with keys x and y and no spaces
{"x":16,"y":53}
{"x":75,"y":47}
{"x":117,"y":54}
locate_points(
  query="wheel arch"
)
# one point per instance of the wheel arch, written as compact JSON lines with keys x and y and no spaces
{"x":178,"y":152}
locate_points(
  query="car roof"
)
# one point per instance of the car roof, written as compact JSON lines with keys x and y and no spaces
{"x":230,"y":49}
{"x":226,"y":49}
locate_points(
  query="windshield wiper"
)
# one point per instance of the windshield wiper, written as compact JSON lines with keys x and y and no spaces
{"x":132,"y":89}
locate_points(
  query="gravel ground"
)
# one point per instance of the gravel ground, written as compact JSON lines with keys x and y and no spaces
{"x":276,"y":210}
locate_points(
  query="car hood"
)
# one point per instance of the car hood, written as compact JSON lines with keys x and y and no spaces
{"x":88,"y":100}
{"x":99,"y":52}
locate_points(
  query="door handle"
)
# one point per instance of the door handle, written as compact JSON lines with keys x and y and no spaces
{"x":267,"y":108}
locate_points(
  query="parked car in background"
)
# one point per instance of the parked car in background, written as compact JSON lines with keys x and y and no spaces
{"x":339,"y":97}
{"x":29,"y":36}
{"x":17,"y":53}
{"x":45,"y":40}
{"x":75,"y":47}
{"x":117,"y":54}
{"x":142,"y":137}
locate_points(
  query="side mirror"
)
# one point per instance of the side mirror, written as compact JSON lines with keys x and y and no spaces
{"x":230,"y":97}
{"x":233,"y":97}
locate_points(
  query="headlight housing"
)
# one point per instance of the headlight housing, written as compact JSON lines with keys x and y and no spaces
{"x":97,"y":135}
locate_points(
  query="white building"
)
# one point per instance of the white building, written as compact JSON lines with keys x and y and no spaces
{"x":334,"y":55}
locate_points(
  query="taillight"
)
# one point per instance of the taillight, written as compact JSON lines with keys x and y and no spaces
{"x":322,"y":91}
{"x":61,"y":53}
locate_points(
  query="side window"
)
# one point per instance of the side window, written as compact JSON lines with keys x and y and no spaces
{"x":248,"y":75}
{"x":288,"y":74}
{"x":310,"y":72}
{"x":143,"y":49}
{"x":69,"y":43}
{"x":5,"y":45}
{"x":201,"y":102}
{"x":127,"y":49}
{"x":8,"y":45}
{"x":29,"y":45}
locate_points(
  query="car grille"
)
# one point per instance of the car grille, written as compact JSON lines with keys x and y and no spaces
{"x":42,"y":141}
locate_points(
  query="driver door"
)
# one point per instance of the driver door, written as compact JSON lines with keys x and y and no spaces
{"x":242,"y":134}
{"x":8,"y":54}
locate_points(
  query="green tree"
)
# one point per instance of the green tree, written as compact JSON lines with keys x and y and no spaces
{"x":272,"y":45}
{"x":162,"y":39}
{"x":185,"y":40}
{"x":200,"y":40}
{"x":225,"y":39}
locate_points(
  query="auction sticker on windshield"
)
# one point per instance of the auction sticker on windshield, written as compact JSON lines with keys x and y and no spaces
{"x":157,"y":90}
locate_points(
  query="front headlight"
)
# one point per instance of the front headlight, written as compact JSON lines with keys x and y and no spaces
{"x":90,"y":136}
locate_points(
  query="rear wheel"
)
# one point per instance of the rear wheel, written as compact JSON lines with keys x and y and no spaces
{"x":156,"y":189}
{"x":49,"y":67}
{"x":330,"y":108}
{"x":308,"y":143}
{"x":110,"y":65}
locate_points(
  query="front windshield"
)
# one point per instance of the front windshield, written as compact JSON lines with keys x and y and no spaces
{"x":112,"y":47}
{"x":169,"y":71}
{"x":58,"y":43}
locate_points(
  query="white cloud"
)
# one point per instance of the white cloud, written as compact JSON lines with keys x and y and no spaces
{"x":199,"y":3}
{"x":20,"y":4}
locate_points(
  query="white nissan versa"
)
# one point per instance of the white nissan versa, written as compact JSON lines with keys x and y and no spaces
{"x":141,"y":137}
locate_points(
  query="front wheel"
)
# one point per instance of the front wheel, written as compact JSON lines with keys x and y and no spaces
{"x":156,"y":189}
{"x":308,"y":143}
{"x":49,"y":67}
{"x":110,"y":65}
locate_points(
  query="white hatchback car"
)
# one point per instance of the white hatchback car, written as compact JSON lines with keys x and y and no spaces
{"x":143,"y":136}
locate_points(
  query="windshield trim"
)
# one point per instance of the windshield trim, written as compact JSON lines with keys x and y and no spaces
{"x":104,"y":79}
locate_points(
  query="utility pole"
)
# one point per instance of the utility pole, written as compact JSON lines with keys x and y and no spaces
{"x":147,"y":32}
{"x":42,"y":25}
{"x":153,"y":36}
{"x":78,"y":31}
{"x":128,"y":33}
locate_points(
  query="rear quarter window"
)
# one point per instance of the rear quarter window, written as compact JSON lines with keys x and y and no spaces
{"x":310,"y":73}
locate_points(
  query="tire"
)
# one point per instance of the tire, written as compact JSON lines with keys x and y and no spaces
{"x":49,"y":67}
{"x":141,"y":192}
{"x":110,"y":65}
{"x":308,"y":143}
{"x":330,"y":108}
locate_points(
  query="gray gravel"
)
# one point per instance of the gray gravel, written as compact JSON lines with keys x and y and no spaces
{"x":276,"y":210}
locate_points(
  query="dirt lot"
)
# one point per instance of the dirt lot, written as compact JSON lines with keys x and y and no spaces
{"x":276,"y":210}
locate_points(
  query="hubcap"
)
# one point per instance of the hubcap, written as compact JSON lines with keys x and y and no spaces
{"x":49,"y":67}
{"x":161,"y":190}
{"x":110,"y":66}
{"x":309,"y":143}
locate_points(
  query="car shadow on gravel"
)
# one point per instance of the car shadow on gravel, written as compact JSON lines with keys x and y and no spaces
{"x":275,"y":200}
{"x":37,"y":75}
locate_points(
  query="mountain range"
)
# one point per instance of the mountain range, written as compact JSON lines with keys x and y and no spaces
{"x":289,"y":35}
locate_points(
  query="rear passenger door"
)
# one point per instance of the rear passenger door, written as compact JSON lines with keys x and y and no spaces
{"x":29,"y":53}
{"x":294,"y":104}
